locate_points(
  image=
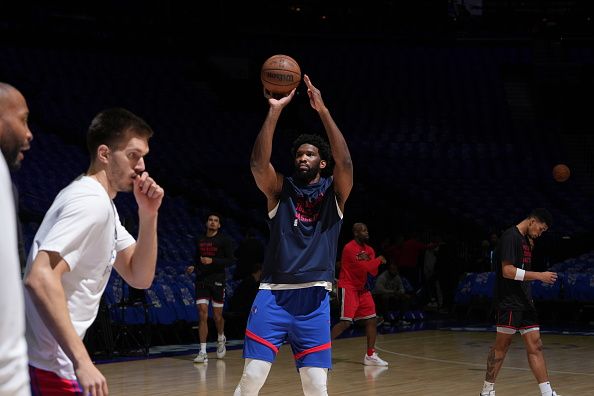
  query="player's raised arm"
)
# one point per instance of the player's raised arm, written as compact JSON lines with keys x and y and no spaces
{"x":267,"y":180}
{"x":343,"y":165}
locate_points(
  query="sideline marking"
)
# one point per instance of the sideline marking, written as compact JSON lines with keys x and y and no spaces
{"x":473,"y":364}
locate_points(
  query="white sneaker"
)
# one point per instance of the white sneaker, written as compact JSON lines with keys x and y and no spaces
{"x":555,"y":394}
{"x":374,"y":360}
{"x":201,"y":358}
{"x":491,"y":393}
{"x":221,"y":350}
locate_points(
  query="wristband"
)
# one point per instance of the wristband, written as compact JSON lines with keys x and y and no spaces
{"x":519,"y":274}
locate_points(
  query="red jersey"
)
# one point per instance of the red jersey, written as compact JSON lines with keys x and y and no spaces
{"x":354,"y":268}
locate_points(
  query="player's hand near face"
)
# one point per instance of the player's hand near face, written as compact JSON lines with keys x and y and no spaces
{"x":148,"y":193}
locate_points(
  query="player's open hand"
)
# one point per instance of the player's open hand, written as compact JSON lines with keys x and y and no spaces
{"x":548,"y":277}
{"x":315,"y":96}
{"x":91,"y":380}
{"x":148,"y":193}
{"x":279,"y":101}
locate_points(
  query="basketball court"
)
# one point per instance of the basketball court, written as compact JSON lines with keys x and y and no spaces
{"x":427,"y":362}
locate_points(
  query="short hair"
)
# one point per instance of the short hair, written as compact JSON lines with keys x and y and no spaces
{"x":112,"y":126}
{"x":217,"y":214}
{"x":543,"y":215}
{"x":323,"y":149}
{"x":357,"y":225}
{"x":5,"y":89}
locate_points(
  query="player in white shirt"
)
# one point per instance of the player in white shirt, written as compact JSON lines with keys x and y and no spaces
{"x":14,"y":140}
{"x":73,"y":252}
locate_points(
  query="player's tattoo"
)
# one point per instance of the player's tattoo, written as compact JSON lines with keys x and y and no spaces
{"x":493,"y":363}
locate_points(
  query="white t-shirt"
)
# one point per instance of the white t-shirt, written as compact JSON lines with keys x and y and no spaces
{"x":14,"y":373}
{"x":83,"y":226}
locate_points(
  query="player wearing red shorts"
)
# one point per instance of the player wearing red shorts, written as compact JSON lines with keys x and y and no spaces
{"x":356,"y":303}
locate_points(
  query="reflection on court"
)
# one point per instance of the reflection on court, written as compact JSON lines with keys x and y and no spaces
{"x":431,"y":362}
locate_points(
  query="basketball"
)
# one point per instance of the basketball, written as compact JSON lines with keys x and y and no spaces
{"x":561,"y":172}
{"x":280,"y":74}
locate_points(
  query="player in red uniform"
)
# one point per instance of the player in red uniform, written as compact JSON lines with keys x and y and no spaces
{"x":356,"y":303}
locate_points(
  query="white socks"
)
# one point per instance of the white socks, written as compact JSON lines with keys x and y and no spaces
{"x":545,"y":389}
{"x":203,"y":347}
{"x":488,"y":389}
{"x":221,"y":337}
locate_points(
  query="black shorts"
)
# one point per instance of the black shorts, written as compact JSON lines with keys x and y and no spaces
{"x":509,"y":322}
{"x":210,"y":290}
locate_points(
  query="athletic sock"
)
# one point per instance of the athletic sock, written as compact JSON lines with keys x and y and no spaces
{"x":488,"y":387}
{"x":545,"y":389}
{"x":203,"y":347}
{"x":221,"y":337}
{"x":370,"y":351}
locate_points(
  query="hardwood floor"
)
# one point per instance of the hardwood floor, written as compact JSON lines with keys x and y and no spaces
{"x":433,"y":362}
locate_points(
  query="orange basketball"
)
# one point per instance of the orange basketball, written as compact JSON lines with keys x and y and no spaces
{"x":280,"y":74}
{"x":561,"y":172}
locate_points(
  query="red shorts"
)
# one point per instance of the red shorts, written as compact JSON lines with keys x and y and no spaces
{"x":48,"y":383}
{"x":356,"y":304}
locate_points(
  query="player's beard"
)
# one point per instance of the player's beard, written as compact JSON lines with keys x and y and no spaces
{"x":11,"y":150}
{"x":307,"y":175}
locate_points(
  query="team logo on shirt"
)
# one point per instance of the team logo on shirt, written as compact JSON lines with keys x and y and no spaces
{"x":527,"y":258}
{"x":208,"y":249}
{"x":308,"y":211}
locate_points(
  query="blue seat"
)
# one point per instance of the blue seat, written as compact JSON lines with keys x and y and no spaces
{"x":463,"y":294}
{"x":482,"y":285}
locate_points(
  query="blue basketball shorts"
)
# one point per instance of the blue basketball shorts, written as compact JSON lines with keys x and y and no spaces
{"x":300,"y":317}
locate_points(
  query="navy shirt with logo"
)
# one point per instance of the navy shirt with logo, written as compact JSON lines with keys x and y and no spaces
{"x":304,"y":234}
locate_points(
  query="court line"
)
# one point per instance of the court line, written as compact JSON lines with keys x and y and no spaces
{"x":473,"y":364}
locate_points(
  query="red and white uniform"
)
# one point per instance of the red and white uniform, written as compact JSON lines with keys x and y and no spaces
{"x":356,"y":301}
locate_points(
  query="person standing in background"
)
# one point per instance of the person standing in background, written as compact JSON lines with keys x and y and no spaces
{"x":213,"y":255}
{"x":358,"y":261}
{"x":513,"y":300}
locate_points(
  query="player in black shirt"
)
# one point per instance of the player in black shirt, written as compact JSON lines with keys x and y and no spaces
{"x":513,"y":299}
{"x":214,"y":252}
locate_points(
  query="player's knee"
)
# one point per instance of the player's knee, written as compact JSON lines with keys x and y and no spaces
{"x":502,"y":344}
{"x":314,"y":381}
{"x":534,"y":346}
{"x":253,"y":377}
{"x":503,"y":349}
